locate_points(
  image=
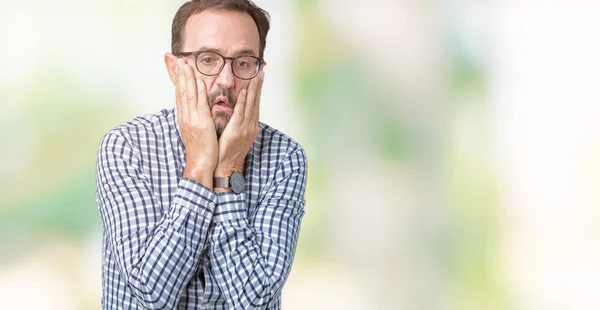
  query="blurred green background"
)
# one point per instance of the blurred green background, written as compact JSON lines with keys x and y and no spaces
{"x":453,"y":146}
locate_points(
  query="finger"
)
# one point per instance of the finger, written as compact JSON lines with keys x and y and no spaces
{"x":238,"y":110}
{"x":191,"y":93}
{"x":256,"y":113}
{"x":252,"y":95}
{"x":180,"y":88}
{"x":202,"y":95}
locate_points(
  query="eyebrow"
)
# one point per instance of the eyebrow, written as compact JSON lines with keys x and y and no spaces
{"x":243,"y":52}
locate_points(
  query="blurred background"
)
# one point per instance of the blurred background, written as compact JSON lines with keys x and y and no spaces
{"x":453,"y":146}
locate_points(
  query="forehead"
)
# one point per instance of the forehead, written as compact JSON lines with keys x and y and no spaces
{"x":228,"y":32}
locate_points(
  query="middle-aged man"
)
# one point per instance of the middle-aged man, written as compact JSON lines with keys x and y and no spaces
{"x":201,"y":205}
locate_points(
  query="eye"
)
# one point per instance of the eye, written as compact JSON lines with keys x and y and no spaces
{"x":242,"y":64}
{"x":207,"y":60}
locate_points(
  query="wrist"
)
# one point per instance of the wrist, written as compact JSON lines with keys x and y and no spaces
{"x":225,"y":171}
{"x":202,"y":175}
{"x":234,"y":183}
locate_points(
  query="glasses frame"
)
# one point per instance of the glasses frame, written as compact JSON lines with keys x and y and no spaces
{"x":197,"y":54}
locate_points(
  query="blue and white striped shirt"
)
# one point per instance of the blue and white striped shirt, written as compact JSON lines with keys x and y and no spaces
{"x":171,"y":243}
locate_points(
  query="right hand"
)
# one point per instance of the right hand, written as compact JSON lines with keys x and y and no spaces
{"x":196,"y":125}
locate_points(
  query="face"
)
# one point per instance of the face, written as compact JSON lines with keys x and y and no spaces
{"x":230,"y":34}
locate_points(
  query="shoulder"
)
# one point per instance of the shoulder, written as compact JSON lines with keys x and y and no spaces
{"x":277,"y":146}
{"x":138,"y":131}
{"x":282,"y":165}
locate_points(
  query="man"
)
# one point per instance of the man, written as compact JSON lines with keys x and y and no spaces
{"x":201,"y":205}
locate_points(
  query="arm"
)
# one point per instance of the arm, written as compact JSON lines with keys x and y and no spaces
{"x":252,"y":254}
{"x":156,"y":253}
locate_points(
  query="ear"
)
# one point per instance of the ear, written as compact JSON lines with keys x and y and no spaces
{"x":171,"y":64}
{"x":262,"y":66}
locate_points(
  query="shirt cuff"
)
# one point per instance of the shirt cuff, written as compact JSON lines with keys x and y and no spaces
{"x":230,"y":206}
{"x":195,"y":196}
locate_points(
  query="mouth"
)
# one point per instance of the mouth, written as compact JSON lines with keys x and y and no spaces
{"x":221,"y":103}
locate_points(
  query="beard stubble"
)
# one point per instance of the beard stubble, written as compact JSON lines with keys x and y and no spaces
{"x":221,"y":119}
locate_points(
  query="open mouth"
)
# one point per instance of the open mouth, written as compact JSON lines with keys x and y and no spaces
{"x":222,"y":101}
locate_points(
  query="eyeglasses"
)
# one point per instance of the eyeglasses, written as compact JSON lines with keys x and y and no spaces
{"x":212,"y":63}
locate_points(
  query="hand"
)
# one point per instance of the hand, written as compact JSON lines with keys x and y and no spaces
{"x":196,"y":126}
{"x":242,"y":129}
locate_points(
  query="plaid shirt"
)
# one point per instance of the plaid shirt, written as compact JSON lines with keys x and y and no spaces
{"x":171,"y":243}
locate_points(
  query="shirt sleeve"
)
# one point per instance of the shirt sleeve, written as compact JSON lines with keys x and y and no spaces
{"x":157,"y":251}
{"x":251,"y":254}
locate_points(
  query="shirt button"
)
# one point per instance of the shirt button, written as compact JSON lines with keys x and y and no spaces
{"x":211,"y":205}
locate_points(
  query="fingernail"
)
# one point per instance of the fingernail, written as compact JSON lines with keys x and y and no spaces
{"x":179,"y":62}
{"x":262,"y":75}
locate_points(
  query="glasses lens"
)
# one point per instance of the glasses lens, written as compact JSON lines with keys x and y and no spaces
{"x":245,"y":67}
{"x":209,"y":63}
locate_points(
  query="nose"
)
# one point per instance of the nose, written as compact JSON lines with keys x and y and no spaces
{"x":226,"y":79}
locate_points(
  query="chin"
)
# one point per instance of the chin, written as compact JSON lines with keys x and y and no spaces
{"x":221,"y":121}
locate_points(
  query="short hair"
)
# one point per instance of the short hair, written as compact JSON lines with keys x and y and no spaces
{"x":260,"y":17}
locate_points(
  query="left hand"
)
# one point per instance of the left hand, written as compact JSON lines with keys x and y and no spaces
{"x":242,"y":129}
